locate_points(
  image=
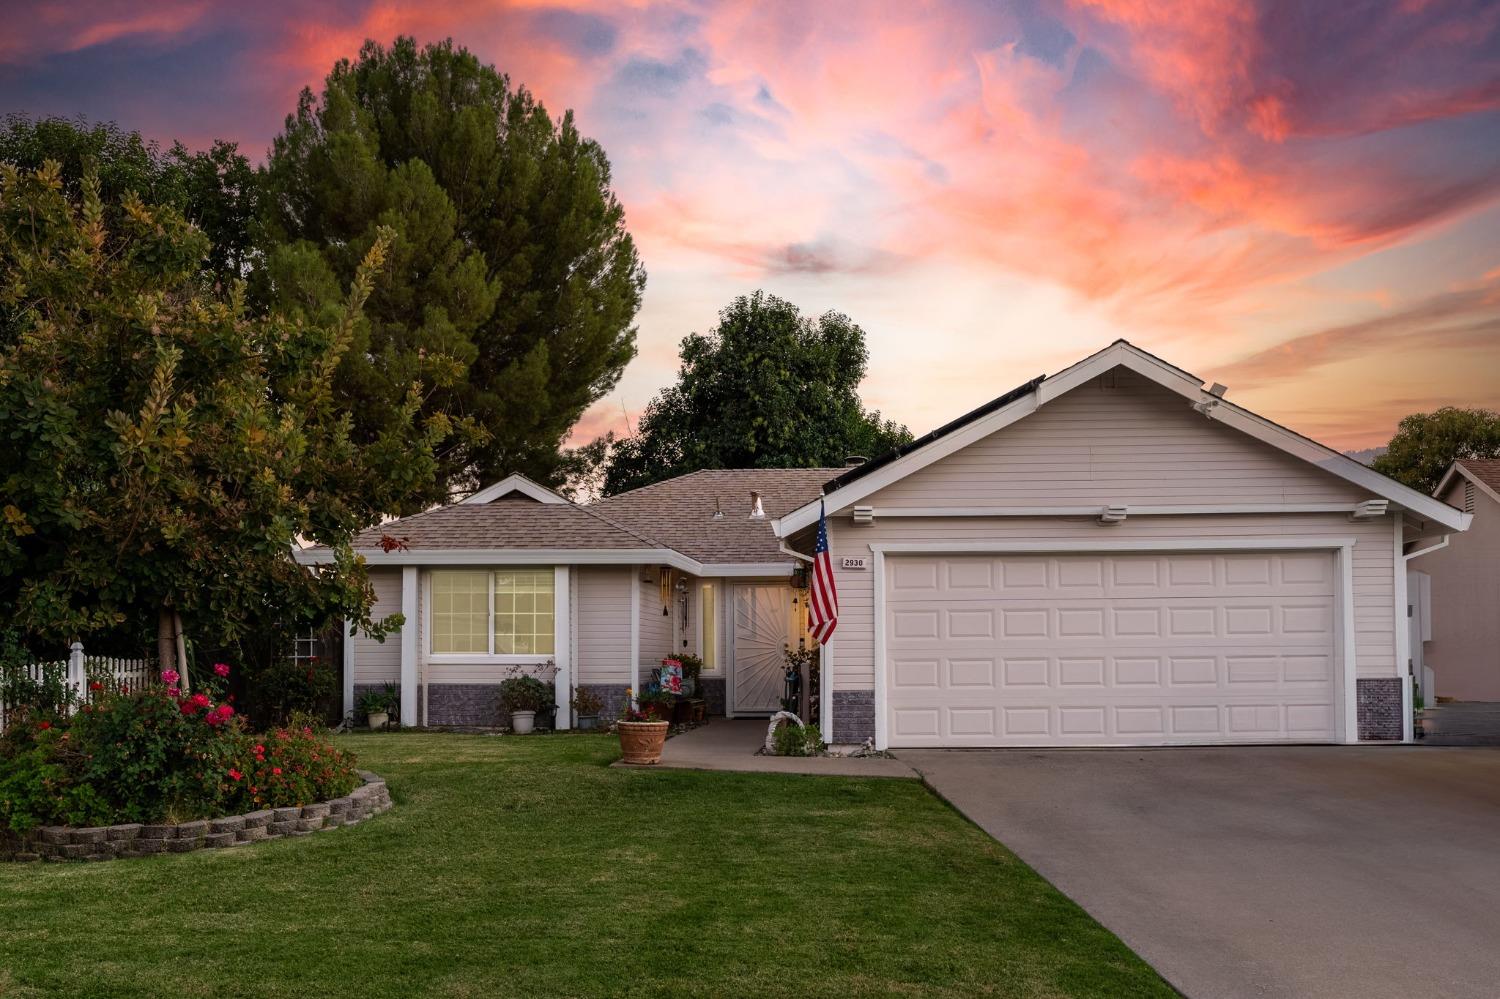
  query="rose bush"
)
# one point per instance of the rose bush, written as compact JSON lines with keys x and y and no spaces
{"x":159,"y":754}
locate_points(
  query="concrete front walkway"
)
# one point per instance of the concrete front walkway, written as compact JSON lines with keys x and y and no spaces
{"x":1330,"y":871}
{"x":730,"y":744}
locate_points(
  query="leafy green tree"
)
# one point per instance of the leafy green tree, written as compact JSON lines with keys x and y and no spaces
{"x":216,"y":189}
{"x":513,"y":283}
{"x":161,"y":451}
{"x":766,"y":388}
{"x":1425,"y":444}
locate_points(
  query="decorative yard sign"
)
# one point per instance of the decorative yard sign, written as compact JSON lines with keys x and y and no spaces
{"x":854,"y":563}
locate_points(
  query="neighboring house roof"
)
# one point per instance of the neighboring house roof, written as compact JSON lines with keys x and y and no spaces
{"x":850,"y":487}
{"x":679,"y":512}
{"x":509,"y":522}
{"x":1483,"y":472}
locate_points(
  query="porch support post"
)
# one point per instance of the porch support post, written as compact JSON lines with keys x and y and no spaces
{"x":562,"y":647}
{"x":635,"y":631}
{"x":348,"y":673}
{"x":409,"y":646}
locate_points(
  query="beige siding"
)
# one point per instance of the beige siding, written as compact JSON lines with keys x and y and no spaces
{"x":1117,"y":439}
{"x":853,"y":648}
{"x":604,"y":623}
{"x":1465,"y":649}
{"x":656,"y":627}
{"x":380,"y":662}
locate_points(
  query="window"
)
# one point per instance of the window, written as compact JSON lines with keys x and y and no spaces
{"x":460,"y":612}
{"x":505,"y":612}
{"x":708,"y":628}
{"x":523,"y":612}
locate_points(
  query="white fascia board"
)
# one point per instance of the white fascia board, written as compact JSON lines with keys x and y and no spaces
{"x":556,"y":556}
{"x":1094,"y":511}
{"x":1113,"y":545}
{"x":1114,"y":356}
{"x":515,"y":484}
{"x":1341,"y":465}
{"x":899,"y":469}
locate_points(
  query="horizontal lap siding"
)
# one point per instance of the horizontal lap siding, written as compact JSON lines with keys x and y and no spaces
{"x":604,"y":624}
{"x":656,"y":627}
{"x":380,"y":662}
{"x":853,"y":646}
{"x":1118,"y":439}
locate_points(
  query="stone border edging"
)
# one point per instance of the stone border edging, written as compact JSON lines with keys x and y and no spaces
{"x":134,"y":839}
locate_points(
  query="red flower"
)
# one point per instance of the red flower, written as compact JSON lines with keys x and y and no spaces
{"x":201,"y":700}
{"x":189,"y":708}
{"x":235,"y":774}
{"x":221,"y":669}
{"x":96,"y":685}
{"x":44,"y":725}
{"x":276,"y":771}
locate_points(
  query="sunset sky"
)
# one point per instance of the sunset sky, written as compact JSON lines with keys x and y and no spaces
{"x":1299,"y":200}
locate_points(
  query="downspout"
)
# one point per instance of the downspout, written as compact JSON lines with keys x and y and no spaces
{"x":1428,"y":550}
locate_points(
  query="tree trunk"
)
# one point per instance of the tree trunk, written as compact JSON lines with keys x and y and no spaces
{"x":182,"y":663}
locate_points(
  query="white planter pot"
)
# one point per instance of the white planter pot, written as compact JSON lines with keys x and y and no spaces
{"x":377,"y":719}
{"x":521,"y":722}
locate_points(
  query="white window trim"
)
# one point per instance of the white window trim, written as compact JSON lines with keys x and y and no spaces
{"x":1346,"y":720}
{"x":489,"y":657}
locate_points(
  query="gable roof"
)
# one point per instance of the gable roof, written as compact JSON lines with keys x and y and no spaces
{"x":850,"y":487}
{"x":679,"y":512}
{"x":668,"y":522}
{"x":1483,"y":472}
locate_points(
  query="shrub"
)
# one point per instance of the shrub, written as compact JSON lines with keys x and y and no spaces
{"x":160,"y":755}
{"x":524,"y":693}
{"x":798,"y":740}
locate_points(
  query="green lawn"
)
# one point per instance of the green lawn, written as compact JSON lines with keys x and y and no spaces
{"x":525,"y":866}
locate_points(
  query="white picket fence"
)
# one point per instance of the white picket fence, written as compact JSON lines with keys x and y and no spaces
{"x":80,"y":672}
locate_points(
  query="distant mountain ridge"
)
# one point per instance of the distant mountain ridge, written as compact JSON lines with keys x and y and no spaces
{"x":1366,"y":456}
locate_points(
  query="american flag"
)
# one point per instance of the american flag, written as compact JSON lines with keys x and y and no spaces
{"x":823,"y":596}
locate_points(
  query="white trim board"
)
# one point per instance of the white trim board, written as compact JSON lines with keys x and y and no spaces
{"x":1346,"y":720}
{"x":555,"y":556}
{"x":1094,"y":511}
{"x":515,"y":484}
{"x":1127,"y":355}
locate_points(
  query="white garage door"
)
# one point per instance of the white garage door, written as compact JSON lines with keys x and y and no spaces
{"x":1092,"y":649}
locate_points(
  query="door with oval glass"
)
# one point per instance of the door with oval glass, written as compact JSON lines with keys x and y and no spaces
{"x":765,"y":622}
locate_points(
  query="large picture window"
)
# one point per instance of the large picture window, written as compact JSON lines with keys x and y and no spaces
{"x":708,"y":627}
{"x":502,"y":612}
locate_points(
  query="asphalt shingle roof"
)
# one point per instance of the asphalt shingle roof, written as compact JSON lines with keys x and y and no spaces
{"x":1486,"y":470}
{"x":508,"y":522}
{"x":680,"y":512}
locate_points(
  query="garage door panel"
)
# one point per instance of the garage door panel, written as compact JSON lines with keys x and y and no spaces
{"x":1112,"y":650}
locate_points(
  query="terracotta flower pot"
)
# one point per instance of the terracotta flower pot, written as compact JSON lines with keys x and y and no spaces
{"x":641,"y":742}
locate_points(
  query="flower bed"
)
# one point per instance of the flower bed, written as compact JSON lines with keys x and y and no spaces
{"x":136,"y":839}
{"x":158,"y":757}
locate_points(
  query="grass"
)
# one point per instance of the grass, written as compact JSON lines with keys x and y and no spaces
{"x":528,"y":867}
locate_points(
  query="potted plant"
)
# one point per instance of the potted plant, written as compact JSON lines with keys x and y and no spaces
{"x":523,"y":697}
{"x":643,"y":726}
{"x":378,"y":705}
{"x":586,"y":707}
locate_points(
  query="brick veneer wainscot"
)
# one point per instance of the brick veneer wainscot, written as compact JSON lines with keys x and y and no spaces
{"x":853,"y":716}
{"x":1378,"y":709}
{"x":134,"y":839}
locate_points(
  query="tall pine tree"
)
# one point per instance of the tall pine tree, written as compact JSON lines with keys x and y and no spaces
{"x":512,"y":285}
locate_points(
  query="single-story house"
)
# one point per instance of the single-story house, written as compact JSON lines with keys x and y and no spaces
{"x":1112,"y":555}
{"x":1460,"y":582}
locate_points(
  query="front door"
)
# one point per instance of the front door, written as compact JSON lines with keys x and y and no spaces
{"x":763,"y":622}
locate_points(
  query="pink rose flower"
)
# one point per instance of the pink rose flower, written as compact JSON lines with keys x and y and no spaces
{"x":221,"y":669}
{"x":170,"y":677}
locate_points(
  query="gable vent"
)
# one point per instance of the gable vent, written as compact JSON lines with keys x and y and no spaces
{"x":1468,"y":496}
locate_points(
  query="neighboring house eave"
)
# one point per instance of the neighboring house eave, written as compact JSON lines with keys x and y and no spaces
{"x":1124,"y":354}
{"x":1458,"y":469}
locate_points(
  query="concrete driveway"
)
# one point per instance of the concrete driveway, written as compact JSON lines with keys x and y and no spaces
{"x":1300,"y":871}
